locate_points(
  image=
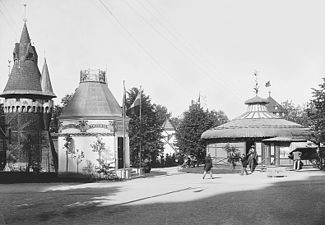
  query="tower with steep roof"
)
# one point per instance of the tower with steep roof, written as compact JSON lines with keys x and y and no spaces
{"x":28,"y":107}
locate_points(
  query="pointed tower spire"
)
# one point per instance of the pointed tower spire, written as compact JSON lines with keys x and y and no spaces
{"x":45,"y":81}
{"x":24,"y":38}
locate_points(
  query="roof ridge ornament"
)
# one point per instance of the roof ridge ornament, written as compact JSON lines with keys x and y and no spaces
{"x":90,"y":75}
{"x":256,"y":83}
{"x":25,"y":17}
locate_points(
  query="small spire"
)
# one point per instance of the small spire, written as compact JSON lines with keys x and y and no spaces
{"x":24,"y":38}
{"x":45,"y":80}
{"x":199,"y":99}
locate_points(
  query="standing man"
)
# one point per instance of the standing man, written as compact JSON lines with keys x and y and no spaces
{"x":296,"y":160}
{"x":244,"y":163}
{"x":252,"y":158}
{"x":207,"y":166}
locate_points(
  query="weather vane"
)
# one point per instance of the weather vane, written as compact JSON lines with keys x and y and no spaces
{"x":25,"y":17}
{"x":256,"y":83}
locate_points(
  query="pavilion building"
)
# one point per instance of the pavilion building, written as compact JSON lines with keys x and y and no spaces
{"x":28,"y":107}
{"x":169,"y":138}
{"x":93,"y":115}
{"x":273,"y":136}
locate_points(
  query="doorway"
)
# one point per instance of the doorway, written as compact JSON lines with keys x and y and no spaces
{"x":120,"y":150}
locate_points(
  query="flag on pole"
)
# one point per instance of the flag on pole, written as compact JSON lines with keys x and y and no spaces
{"x":268,"y":84}
{"x":137,"y":100}
{"x":124,"y":99}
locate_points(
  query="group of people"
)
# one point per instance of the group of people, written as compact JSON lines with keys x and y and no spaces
{"x":247,"y":160}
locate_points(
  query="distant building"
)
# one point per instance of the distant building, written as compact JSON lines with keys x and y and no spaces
{"x":27,"y":108}
{"x":93,"y":114}
{"x":274,"y":137}
{"x":274,"y":107}
{"x":169,"y":138}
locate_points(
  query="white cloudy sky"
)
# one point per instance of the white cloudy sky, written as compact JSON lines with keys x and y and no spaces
{"x":176,"y":49}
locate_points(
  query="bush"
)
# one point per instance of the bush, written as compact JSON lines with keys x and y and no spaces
{"x":233,"y":155}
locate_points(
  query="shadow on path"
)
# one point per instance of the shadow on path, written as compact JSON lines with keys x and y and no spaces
{"x":286,"y":202}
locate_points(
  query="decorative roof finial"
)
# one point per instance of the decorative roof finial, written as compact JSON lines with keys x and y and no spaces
{"x":25,"y":17}
{"x":256,"y":83}
{"x":9,"y":66}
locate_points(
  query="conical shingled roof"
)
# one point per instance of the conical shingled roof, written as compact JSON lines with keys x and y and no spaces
{"x":92,"y":99}
{"x":256,"y":122}
{"x":45,"y":81}
{"x":25,"y":76}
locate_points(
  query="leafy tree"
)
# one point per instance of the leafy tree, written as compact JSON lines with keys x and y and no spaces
{"x":12,"y":155}
{"x":78,"y":156}
{"x":195,"y":122}
{"x":69,"y":149}
{"x":162,"y":113}
{"x":297,"y":114}
{"x":316,"y":114}
{"x":66,"y":99}
{"x":99,"y":146}
{"x":217,"y":117}
{"x":89,"y":168}
{"x":144,"y":134}
{"x":57,"y":110}
{"x":176,"y":121}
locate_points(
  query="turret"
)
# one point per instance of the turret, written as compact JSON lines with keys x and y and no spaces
{"x":28,"y":106}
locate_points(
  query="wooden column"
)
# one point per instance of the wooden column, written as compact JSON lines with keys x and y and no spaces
{"x":268,"y":155}
{"x":277,"y":155}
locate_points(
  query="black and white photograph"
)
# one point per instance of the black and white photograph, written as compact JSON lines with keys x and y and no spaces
{"x":162,"y":112}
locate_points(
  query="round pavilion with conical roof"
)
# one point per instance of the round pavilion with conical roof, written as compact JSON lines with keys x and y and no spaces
{"x":272,"y":136}
{"x":93,"y":116}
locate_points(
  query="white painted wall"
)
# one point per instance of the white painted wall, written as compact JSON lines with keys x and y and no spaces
{"x":169,"y":144}
{"x":83,"y":140}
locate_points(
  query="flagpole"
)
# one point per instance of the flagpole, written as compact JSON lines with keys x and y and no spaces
{"x":124,"y":128}
{"x":140,"y":130}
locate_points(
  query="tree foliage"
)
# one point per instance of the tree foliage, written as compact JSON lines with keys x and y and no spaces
{"x":196,"y":120}
{"x":99,"y":146}
{"x":233,"y":155}
{"x":296,"y":113}
{"x":69,"y":149}
{"x":176,"y":121}
{"x":144,"y":134}
{"x":316,"y":114}
{"x":57,"y":110}
{"x":162,"y":113}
